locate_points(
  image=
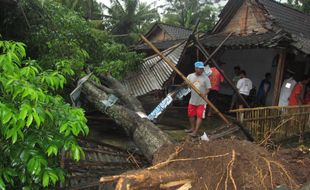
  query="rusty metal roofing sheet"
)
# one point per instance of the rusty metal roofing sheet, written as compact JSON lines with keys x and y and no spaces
{"x":162,"y":45}
{"x":176,"y":32}
{"x":153,"y":73}
{"x":291,"y":20}
{"x":269,"y":39}
{"x":303,"y":44}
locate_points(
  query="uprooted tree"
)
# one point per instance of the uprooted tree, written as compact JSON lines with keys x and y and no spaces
{"x":148,"y":137}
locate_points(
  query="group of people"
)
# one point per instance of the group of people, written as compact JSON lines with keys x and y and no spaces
{"x":247,"y":90}
{"x":292,"y":92}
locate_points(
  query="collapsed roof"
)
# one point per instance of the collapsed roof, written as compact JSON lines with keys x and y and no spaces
{"x":164,"y":36}
{"x":153,"y":73}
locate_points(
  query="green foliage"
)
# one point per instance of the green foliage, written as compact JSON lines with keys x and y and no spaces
{"x":117,"y":60}
{"x":34,"y":124}
{"x":60,"y":35}
{"x":186,"y":12}
{"x":129,"y":17}
{"x":89,"y":9}
{"x":302,"y":5}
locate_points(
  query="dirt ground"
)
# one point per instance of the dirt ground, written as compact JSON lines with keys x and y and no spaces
{"x":231,"y":163}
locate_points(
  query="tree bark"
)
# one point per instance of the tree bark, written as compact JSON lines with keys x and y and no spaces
{"x":148,"y":137}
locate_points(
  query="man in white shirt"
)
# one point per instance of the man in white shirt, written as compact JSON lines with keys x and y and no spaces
{"x":244,"y":85}
{"x":235,"y":79}
{"x":197,"y":105}
{"x":286,"y":89}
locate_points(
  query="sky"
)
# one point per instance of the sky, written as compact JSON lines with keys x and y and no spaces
{"x":156,"y":3}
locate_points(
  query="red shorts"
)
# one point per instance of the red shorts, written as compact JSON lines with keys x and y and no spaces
{"x":198,"y":111}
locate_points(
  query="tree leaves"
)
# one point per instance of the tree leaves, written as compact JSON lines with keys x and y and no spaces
{"x":6,"y":116}
{"x":2,"y":185}
{"x":31,"y":130}
{"x":49,"y":175}
{"x":52,"y":150}
{"x":126,"y":17}
{"x":185,"y":13}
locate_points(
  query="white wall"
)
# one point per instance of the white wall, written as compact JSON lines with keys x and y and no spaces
{"x":256,"y":62}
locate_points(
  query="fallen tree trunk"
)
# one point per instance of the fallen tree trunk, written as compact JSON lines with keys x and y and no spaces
{"x":144,"y":133}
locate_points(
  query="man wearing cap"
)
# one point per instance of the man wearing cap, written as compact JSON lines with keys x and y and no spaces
{"x":197,"y":105}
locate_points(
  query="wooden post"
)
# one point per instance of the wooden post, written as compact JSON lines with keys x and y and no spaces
{"x":185,"y":79}
{"x":218,"y":47}
{"x":243,"y":20}
{"x":206,"y":54}
{"x":279,"y":77}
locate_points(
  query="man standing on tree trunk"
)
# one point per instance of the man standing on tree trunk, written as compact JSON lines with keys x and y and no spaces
{"x":197,"y":106}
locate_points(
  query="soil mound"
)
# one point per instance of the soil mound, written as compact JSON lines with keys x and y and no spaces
{"x":234,"y":164}
{"x":228,"y":164}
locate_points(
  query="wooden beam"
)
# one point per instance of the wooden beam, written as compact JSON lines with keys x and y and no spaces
{"x":207,"y":55}
{"x":243,"y":20}
{"x":168,"y":61}
{"x":218,"y":47}
{"x":197,"y":54}
{"x":279,"y":77}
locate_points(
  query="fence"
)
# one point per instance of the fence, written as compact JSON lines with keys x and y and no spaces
{"x":277,"y":123}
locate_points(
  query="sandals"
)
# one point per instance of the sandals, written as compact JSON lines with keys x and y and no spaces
{"x":193,"y":135}
{"x":188,"y":131}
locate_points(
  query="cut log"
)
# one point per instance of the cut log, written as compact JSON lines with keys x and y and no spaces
{"x":148,"y":137}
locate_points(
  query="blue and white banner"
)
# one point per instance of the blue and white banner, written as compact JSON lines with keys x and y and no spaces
{"x":180,"y":93}
{"x":160,"y":108}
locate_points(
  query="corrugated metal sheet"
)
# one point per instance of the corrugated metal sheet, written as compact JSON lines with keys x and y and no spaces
{"x":289,"y":19}
{"x":153,"y":73}
{"x":268,"y":39}
{"x":303,"y":44}
{"x":162,"y":45}
{"x":176,"y":32}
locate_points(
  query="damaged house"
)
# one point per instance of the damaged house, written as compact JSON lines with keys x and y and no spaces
{"x":267,"y":37}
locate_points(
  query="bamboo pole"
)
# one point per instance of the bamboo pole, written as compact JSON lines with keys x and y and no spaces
{"x":218,"y":47}
{"x":185,"y":79}
{"x":206,"y":54}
